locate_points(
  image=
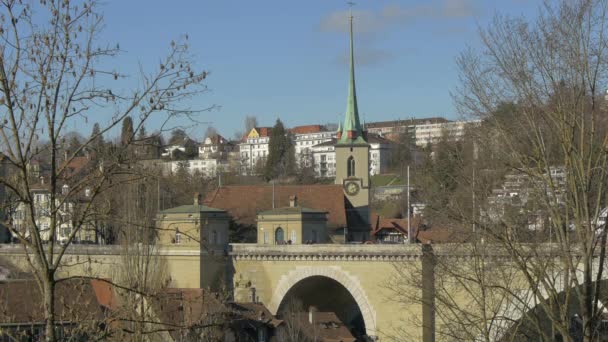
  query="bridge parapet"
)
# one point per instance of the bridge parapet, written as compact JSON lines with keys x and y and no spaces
{"x":325,"y":252}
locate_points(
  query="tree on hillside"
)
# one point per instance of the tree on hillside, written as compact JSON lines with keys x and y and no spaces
{"x":281,"y":153}
{"x":211,"y":132}
{"x":53,"y":75}
{"x":127,"y":132}
{"x":97,"y":142}
{"x":402,"y":155}
{"x":178,"y":136}
{"x":538,"y":88}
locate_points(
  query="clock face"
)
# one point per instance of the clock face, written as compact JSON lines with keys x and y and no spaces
{"x":352,"y":188}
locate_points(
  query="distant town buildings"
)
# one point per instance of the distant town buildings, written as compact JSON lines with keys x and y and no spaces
{"x":423,"y":131}
{"x":324,"y":156}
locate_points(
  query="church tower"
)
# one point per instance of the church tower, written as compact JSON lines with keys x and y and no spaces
{"x":352,"y":161}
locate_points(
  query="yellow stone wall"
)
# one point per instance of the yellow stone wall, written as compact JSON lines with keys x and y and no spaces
{"x":290,"y":223}
{"x":190,"y":226}
{"x":366,"y":280}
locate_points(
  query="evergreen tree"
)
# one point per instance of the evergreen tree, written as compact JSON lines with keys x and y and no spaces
{"x":97,"y":138}
{"x":126,"y":134}
{"x":142,"y":133}
{"x":178,"y":136}
{"x":281,"y":154}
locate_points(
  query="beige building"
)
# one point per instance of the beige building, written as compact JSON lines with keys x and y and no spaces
{"x":292,"y":225}
{"x":193,"y":225}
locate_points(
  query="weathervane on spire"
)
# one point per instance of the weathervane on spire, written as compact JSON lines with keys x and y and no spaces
{"x":351,"y":4}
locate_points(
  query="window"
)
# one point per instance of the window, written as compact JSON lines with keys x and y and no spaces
{"x":279,"y":236}
{"x":178,"y":236}
{"x":350,"y":167}
{"x":314,"y":236}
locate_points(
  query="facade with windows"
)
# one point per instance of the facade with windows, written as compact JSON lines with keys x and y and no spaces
{"x":253,"y":149}
{"x":215,"y":147}
{"x":193,"y":225}
{"x":424,"y":131}
{"x":67,"y":212}
{"x":324,"y":156}
{"x":206,"y":167}
{"x":293,"y":225}
{"x":304,"y":138}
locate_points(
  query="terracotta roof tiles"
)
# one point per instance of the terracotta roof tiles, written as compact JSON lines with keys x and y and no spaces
{"x":244,"y":202}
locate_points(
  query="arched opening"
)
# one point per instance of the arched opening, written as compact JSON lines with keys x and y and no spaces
{"x":536,"y":323}
{"x":350,"y":167}
{"x":279,"y":236}
{"x":326,"y":295}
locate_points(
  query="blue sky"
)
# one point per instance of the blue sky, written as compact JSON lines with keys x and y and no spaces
{"x":287,"y":59}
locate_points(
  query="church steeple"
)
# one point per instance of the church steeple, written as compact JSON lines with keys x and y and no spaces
{"x":351,"y":133}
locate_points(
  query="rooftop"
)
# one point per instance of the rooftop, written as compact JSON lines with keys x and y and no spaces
{"x":191,"y":208}
{"x":244,"y":202}
{"x":292,"y":210}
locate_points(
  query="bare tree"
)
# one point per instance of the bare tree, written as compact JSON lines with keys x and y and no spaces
{"x":210,"y":132}
{"x":51,"y":78}
{"x":553,"y":135}
{"x":250,"y":123}
{"x":538,"y":87}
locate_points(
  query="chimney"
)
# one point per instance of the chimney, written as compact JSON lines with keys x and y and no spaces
{"x":293,"y":201}
{"x":311,"y":313}
{"x":198,"y":199}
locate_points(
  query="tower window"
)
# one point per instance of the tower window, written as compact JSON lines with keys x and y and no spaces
{"x":279,"y":236}
{"x":350,"y":167}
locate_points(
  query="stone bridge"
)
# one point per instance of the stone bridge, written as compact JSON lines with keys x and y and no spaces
{"x":332,"y":277}
{"x":352,"y":280}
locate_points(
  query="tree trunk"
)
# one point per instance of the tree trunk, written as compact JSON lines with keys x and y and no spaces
{"x":49,"y":306}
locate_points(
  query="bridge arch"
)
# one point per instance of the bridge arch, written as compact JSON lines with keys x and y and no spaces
{"x":336,"y":273}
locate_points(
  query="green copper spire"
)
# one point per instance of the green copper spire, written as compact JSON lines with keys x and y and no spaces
{"x":351,"y":129}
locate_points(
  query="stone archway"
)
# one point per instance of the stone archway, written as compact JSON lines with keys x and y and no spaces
{"x":350,"y":282}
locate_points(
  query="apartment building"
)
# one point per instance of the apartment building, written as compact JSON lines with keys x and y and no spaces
{"x":324,"y":156}
{"x":254,"y":147}
{"x":424,"y":131}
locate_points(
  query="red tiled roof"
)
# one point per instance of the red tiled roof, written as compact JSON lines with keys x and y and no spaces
{"x":105,"y":294}
{"x":185,"y":308}
{"x":22,"y":302}
{"x":306,"y":129}
{"x":244,"y":202}
{"x":264,"y":131}
{"x":326,"y":327}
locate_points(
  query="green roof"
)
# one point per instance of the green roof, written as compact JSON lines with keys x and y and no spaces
{"x":191,"y":208}
{"x":292,"y":210}
{"x":351,"y":117}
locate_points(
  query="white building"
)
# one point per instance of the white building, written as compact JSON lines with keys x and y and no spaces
{"x":425,"y":131}
{"x":324,"y":156}
{"x":168,"y":150}
{"x":66,"y":208}
{"x":305,"y":137}
{"x":207,"y":167}
{"x":253,"y":149}
{"x":254,"y":146}
{"x":433,"y":132}
{"x":216,"y":147}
